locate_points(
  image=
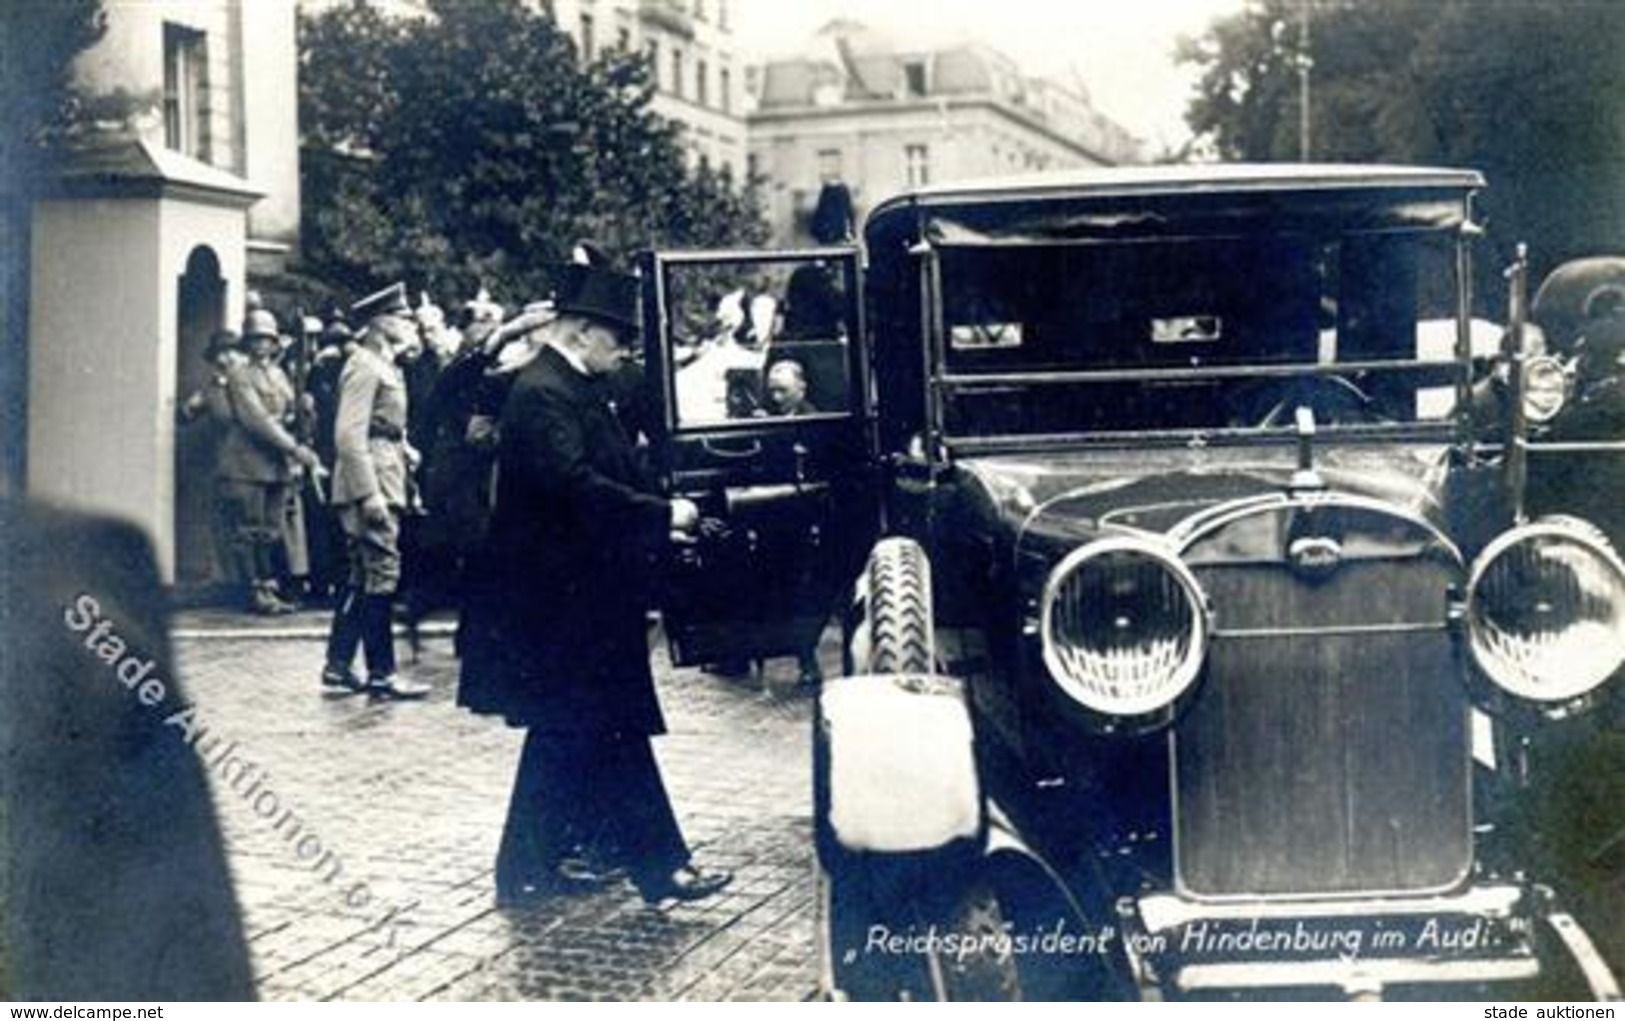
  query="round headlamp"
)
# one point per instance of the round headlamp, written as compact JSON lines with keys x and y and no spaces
{"x":1546,"y":611}
{"x":1545,"y":389}
{"x":1124,"y":627}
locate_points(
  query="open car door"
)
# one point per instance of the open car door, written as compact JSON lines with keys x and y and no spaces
{"x":763,"y":421}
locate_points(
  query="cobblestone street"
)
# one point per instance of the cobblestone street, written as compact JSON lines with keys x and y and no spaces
{"x":409,"y":798}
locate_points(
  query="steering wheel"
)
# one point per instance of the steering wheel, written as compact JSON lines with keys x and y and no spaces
{"x":1333,"y":399}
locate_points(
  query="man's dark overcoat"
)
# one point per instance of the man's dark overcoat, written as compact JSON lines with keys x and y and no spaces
{"x":116,"y":885}
{"x":556,"y":621}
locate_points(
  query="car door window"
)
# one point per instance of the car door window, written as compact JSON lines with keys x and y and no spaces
{"x":758,"y":356}
{"x":757,"y":340}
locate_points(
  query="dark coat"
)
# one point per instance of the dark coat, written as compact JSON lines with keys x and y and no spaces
{"x":457,"y":467}
{"x":118,"y":885}
{"x":555,"y":630}
{"x":322,"y":383}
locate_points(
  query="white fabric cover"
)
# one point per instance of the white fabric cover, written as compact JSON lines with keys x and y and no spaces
{"x":902,"y":773}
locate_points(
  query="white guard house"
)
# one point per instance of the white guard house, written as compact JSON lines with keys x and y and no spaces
{"x":141,"y":249}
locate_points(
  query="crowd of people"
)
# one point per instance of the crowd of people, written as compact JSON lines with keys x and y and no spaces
{"x":494,"y":464}
{"x":491,"y":465}
{"x":273,"y":394}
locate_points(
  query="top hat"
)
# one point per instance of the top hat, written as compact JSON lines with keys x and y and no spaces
{"x":389,"y":301}
{"x":599,"y":294}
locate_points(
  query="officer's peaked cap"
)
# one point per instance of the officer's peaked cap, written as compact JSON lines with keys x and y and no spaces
{"x":389,"y":301}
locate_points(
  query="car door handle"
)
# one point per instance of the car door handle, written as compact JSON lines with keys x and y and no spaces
{"x":718,"y":449}
{"x":743,"y":498}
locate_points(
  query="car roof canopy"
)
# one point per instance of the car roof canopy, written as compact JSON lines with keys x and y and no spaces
{"x":1170,"y":201}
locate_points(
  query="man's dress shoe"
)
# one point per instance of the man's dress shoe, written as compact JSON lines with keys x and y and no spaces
{"x":342,"y":678}
{"x":687,"y":883}
{"x":396,"y":687}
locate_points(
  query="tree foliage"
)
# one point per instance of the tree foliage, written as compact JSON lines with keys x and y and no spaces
{"x":1533,"y":94}
{"x":473,"y":146}
{"x":39,"y":105}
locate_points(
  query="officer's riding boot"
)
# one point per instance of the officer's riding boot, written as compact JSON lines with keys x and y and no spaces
{"x":377,"y":636}
{"x":343,"y":641}
{"x":378,"y":645}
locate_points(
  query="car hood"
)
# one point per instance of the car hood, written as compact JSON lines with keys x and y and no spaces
{"x":1063,"y":500}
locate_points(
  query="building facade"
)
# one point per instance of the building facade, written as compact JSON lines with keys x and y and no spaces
{"x":142,"y":247}
{"x":697,"y":68}
{"x":881,"y":119}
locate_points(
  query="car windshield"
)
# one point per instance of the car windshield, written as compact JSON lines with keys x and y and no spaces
{"x":1197,"y":333}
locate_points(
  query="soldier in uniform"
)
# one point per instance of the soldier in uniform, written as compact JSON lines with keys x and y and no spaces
{"x":257,"y":457}
{"x":373,"y":459}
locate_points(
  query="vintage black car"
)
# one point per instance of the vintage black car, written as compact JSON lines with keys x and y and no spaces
{"x":1195,"y":618}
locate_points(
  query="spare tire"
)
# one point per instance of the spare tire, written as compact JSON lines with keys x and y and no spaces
{"x":898,"y":617}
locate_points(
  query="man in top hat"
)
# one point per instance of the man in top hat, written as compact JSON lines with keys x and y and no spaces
{"x":372,"y":459}
{"x":556,"y":634}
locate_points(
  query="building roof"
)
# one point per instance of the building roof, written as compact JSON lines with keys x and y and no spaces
{"x":131,"y":167}
{"x":850,"y":67}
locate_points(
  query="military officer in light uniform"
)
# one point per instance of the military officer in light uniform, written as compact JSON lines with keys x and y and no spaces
{"x":370,"y":487}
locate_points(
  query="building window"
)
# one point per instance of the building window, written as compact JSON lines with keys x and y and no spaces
{"x":699,"y":10}
{"x":654,"y":61}
{"x":829,"y":166}
{"x":185,"y":120}
{"x":917,"y":165}
{"x":914,"y":77}
{"x":701,"y":86}
{"x":722,"y":15}
{"x":623,"y":38}
{"x":677,"y":72}
{"x":725,"y":90}
{"x":753,"y":166}
{"x":586,"y":36}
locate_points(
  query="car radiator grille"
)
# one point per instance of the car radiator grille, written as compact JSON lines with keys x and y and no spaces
{"x":1327,"y":751}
